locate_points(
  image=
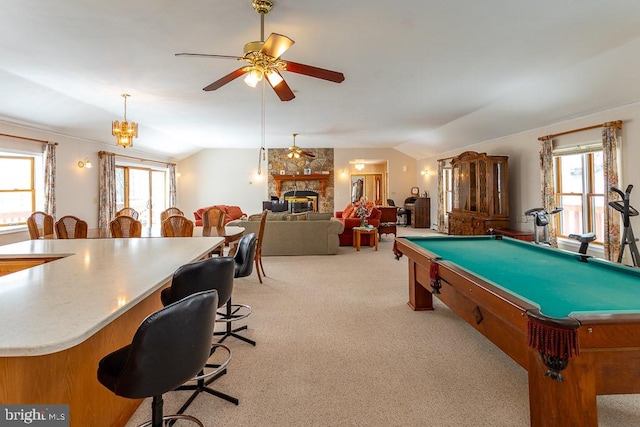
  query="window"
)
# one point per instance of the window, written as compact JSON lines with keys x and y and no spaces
{"x":580,"y":192}
{"x":17,"y":190}
{"x":142,"y":189}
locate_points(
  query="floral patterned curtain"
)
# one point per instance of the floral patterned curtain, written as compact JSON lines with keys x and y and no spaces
{"x":548,"y":187}
{"x":172,"y":186}
{"x":107,"y":202}
{"x":442,"y":228}
{"x":610,"y":169}
{"x":50,"y":178}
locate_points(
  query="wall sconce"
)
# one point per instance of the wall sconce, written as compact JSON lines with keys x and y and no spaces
{"x":425,"y":172}
{"x":86,"y":163}
{"x":404,"y":168}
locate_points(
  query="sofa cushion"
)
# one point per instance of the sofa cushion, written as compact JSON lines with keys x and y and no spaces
{"x":318,"y":216}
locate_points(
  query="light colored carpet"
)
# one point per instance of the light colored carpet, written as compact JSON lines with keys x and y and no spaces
{"x":337,"y":345}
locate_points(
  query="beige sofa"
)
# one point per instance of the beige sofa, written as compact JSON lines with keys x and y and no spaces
{"x":296,"y":234}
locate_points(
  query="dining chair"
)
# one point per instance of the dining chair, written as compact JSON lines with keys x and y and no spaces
{"x":177,"y":226}
{"x":71,"y":227}
{"x":258,"y":254}
{"x":128,"y":212}
{"x":40,"y":224}
{"x":213,"y":225}
{"x":212,"y":218}
{"x":125,"y":226}
{"x":170,"y":211}
{"x":170,"y":347}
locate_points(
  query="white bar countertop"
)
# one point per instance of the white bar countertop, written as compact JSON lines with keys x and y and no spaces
{"x":57,"y":305}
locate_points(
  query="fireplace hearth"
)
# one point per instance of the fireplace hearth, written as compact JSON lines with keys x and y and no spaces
{"x":302,"y":200}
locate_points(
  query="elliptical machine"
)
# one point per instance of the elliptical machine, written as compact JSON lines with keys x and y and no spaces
{"x":627,"y":211}
{"x":541,"y":219}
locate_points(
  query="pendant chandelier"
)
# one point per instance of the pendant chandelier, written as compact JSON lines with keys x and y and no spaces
{"x":124,"y":131}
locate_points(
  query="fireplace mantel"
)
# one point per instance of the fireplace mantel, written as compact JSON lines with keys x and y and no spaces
{"x":279,"y":179}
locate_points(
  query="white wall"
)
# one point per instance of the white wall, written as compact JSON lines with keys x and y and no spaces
{"x":222,"y":177}
{"x":228,"y":176}
{"x":76,"y":189}
{"x":524,"y":161}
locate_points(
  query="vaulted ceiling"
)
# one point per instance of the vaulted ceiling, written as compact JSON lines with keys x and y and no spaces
{"x":422,"y":76}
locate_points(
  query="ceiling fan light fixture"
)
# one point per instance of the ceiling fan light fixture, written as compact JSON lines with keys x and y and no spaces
{"x":274,"y":77}
{"x":253,"y":76}
{"x":359,"y":166}
{"x":124,"y":131}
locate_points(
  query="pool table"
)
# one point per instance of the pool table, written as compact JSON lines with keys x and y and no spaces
{"x":573,"y":322}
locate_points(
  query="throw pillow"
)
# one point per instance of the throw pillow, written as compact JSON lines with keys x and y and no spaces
{"x":374,"y":213}
{"x":275,"y":216}
{"x":234,"y":212}
{"x":354,"y":212}
{"x":347,"y":211}
{"x":301,"y":216}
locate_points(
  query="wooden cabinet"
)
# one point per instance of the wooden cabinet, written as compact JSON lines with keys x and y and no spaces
{"x":480,"y":193}
{"x":421,"y":213}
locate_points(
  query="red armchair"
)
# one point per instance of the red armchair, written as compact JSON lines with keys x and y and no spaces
{"x":231,"y":213}
{"x":346,"y":238}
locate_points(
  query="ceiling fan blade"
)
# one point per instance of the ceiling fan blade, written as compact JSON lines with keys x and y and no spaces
{"x":283,"y":90}
{"x":226,"y":79}
{"x":276,"y":45}
{"x":308,"y":154}
{"x":319,"y":73}
{"x":206,"y":55}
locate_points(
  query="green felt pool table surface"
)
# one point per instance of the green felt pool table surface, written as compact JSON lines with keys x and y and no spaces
{"x":556,"y":281}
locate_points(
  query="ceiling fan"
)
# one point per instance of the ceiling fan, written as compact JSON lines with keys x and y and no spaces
{"x":296,"y":152}
{"x":264,"y":61}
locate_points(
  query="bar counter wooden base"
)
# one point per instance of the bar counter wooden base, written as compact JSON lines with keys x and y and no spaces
{"x":70,"y":376}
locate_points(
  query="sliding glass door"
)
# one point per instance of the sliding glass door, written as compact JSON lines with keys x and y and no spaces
{"x":143,"y":190}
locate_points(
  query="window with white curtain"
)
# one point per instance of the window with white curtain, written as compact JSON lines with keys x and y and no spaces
{"x":18,"y":188}
{"x":579,"y":184}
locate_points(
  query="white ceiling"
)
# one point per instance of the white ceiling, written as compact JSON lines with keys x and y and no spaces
{"x":422,"y":76}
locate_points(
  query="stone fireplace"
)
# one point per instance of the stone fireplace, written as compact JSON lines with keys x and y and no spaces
{"x":300,"y":175}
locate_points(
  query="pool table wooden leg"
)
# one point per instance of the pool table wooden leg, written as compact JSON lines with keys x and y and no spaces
{"x":420,"y":297}
{"x":571,"y":402}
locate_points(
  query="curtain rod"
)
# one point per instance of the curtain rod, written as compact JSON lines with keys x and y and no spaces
{"x":617,"y":124}
{"x":28,"y":139}
{"x":136,"y":158}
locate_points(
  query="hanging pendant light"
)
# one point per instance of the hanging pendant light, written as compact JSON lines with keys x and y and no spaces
{"x":124,"y":131}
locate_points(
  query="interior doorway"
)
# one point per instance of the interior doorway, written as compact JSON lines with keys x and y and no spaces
{"x":369,"y":178}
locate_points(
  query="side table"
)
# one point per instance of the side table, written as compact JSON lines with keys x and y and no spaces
{"x":359,"y":231}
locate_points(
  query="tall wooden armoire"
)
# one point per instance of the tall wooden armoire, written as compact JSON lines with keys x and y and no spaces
{"x":480,"y":193}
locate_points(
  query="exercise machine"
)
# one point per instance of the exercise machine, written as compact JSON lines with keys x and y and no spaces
{"x":627,"y":212}
{"x":541,"y":219}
